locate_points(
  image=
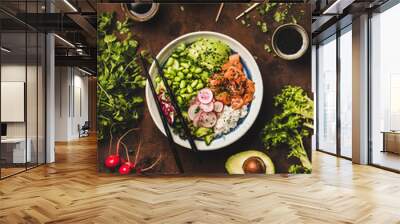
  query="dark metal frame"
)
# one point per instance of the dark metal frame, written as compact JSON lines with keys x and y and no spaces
{"x":44,"y":71}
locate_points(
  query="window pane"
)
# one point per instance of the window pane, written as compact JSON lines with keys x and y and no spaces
{"x":346,"y":94}
{"x":15,"y":149}
{"x":327,"y":96}
{"x":385,"y":84}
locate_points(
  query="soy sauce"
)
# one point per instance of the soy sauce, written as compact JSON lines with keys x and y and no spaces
{"x":139,"y":8}
{"x":289,"y":41}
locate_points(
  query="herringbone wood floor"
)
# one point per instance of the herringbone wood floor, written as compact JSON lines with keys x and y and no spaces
{"x":71,"y":191}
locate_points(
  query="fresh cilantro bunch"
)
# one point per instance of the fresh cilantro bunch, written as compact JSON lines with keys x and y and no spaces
{"x":291,"y":126}
{"x":119,"y":81}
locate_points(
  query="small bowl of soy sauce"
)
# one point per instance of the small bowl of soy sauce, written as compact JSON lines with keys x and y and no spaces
{"x":141,"y":11}
{"x":290,"y":41}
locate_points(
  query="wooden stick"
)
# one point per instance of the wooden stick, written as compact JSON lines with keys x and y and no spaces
{"x":221,"y":6}
{"x":163,"y":119}
{"x":247,"y":10}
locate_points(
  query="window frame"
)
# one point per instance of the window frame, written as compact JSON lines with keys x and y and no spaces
{"x":336,"y":38}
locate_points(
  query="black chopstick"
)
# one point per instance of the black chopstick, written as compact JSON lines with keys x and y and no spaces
{"x":175,"y":105}
{"x":163,"y":119}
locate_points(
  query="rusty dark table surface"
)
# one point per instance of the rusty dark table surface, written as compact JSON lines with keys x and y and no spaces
{"x":170,"y":23}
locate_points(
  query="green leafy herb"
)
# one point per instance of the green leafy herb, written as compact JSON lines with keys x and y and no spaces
{"x":264,"y":27}
{"x":119,"y":80}
{"x":278,"y":16}
{"x":291,"y":126}
{"x":267,"y":48}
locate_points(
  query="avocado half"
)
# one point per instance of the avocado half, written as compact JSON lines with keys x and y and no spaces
{"x":250,"y":162}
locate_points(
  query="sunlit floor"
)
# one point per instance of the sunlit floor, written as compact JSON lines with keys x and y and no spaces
{"x":72,"y":191}
{"x":386,"y":159}
{"x":8,"y":171}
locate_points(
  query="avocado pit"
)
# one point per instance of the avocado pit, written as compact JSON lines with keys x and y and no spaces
{"x":254,"y":164}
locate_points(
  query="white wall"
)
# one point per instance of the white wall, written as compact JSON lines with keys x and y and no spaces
{"x":16,"y":73}
{"x":33,"y":127}
{"x":70,"y":109}
{"x":62,"y":81}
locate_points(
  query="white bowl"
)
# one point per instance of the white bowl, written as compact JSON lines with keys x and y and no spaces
{"x":252,"y":71}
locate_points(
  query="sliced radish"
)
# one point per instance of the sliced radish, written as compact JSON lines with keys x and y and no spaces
{"x":207,"y":107}
{"x":218,"y":106}
{"x":195,"y":101}
{"x":196,"y":119}
{"x":205,"y":95}
{"x":207,"y":119}
{"x":193,"y":111}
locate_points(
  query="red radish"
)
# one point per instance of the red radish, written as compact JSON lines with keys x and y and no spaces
{"x":124,"y":169}
{"x":131,"y":164}
{"x":208,"y":120}
{"x":128,"y":162}
{"x":205,"y":96}
{"x":193,"y":111}
{"x":207,"y":107}
{"x":218,"y":106}
{"x":112,"y":161}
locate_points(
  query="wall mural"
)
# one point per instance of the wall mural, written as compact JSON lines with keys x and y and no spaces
{"x":229,"y":93}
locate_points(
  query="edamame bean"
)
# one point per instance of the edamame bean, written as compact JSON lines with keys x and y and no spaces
{"x":182,"y":84}
{"x":198,"y":70}
{"x":179,"y":99}
{"x":194,"y":83}
{"x":177,"y":79}
{"x":204,"y":75}
{"x":169,"y":69}
{"x":185,"y":65}
{"x":176,"y":65}
{"x":170,"y":61}
{"x":158,"y":79}
{"x":189,"y":89}
{"x":185,"y":70}
{"x":181,"y":75}
{"x":189,"y":76}
{"x":181,"y":47}
{"x":200,"y":85}
{"x":188,"y":97}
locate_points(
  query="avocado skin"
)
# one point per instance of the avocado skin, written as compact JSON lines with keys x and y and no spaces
{"x":235,"y":162}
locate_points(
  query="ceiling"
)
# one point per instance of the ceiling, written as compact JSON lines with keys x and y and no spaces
{"x":74,"y":22}
{"x":332,"y":15}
